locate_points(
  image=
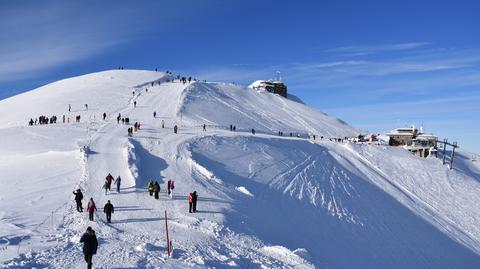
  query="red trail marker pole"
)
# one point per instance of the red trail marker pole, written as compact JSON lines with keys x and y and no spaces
{"x":166,"y":231}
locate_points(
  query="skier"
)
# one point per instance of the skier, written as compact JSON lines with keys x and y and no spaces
{"x":156,"y":189}
{"x":134,"y":103}
{"x":91,"y":208}
{"x":109,"y":179}
{"x":118,"y":181}
{"x":154,"y":114}
{"x":78,"y":199}
{"x":194,"y":201}
{"x":231,"y":127}
{"x":168,"y":186}
{"x":86,"y":106}
{"x":172,"y":186}
{"x":150,"y":187}
{"x":253,"y":131}
{"x":190,"y":202}
{"x":90,"y":244}
{"x":108,"y":209}
{"x":104,"y":115}
{"x":175,"y":129}
{"x":69,"y":108}
{"x":163,"y":124}
{"x":204,"y":127}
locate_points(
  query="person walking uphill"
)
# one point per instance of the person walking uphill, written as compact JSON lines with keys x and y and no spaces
{"x":109,"y":180}
{"x":194,"y":201}
{"x":78,"y":199}
{"x":118,"y":182}
{"x":171,"y":186}
{"x":190,"y":202}
{"x":90,"y":245}
{"x":91,"y":208}
{"x":105,"y":187}
{"x":108,"y":209}
{"x":150,"y":187}
{"x":156,"y":189}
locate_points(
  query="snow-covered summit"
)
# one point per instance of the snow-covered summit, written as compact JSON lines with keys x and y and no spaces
{"x":102,"y":91}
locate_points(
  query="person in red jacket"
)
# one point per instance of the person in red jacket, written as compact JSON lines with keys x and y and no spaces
{"x":190,"y":202}
{"x":91,"y":208}
{"x":171,"y":186}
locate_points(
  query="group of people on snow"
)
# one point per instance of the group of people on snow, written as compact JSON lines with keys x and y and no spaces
{"x":41,"y":120}
{"x":184,"y":80}
{"x":124,"y":120}
{"x":108,"y":183}
{"x":154,"y":188}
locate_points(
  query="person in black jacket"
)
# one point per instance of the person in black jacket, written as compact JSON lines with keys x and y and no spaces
{"x":156,"y":189}
{"x":90,"y":244}
{"x":78,"y":199}
{"x":108,"y":210}
{"x":194,"y":201}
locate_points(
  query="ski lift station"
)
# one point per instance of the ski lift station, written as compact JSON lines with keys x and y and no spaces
{"x":414,"y":140}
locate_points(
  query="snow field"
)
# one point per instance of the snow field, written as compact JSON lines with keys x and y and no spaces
{"x":264,"y":201}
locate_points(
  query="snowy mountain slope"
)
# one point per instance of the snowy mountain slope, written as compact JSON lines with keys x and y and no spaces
{"x":322,"y":191}
{"x":224,"y":104}
{"x":264,"y":201}
{"x":103,"y":92}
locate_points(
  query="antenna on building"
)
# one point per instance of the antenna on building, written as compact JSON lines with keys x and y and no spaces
{"x":279,"y":76}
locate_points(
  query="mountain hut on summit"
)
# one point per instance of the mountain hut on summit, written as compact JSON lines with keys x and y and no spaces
{"x":277,"y":86}
{"x":414,"y":140}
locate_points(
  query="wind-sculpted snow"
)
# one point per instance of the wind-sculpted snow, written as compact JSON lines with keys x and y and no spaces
{"x":314,"y":196}
{"x":300,"y":169}
{"x":224,"y":104}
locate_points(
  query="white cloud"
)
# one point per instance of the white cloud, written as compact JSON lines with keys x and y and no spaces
{"x":364,"y":50}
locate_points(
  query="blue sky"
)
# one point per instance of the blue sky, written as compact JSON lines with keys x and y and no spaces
{"x":375,"y":64}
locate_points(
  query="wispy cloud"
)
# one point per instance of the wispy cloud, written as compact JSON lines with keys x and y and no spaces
{"x":364,"y":50}
{"x":40,"y":36}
